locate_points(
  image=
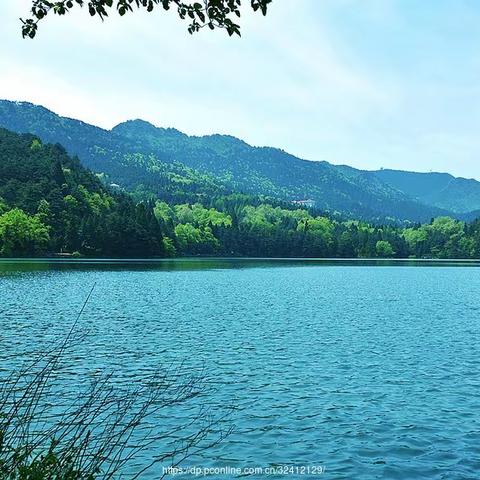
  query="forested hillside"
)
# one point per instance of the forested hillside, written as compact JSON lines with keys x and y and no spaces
{"x":176,"y":167}
{"x":139,"y":171}
{"x":270,"y":171}
{"x":50,"y":203}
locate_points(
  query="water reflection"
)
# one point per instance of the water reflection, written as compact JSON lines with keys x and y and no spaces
{"x":29,"y":265}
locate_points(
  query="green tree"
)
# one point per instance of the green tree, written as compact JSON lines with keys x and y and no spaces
{"x":43,"y":212}
{"x":22,"y":234}
{"x":169,"y":247}
{"x":384,"y":249}
{"x":415,"y":237}
{"x":198,"y":215}
{"x":203,"y":13}
{"x":193,"y":240}
{"x":164,"y":212}
{"x":443,"y":236}
{"x":318,"y":235}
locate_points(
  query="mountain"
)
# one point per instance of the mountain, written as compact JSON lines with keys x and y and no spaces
{"x":442,"y":190}
{"x":174,"y":166}
{"x":111,"y":155}
{"x":53,"y":204}
{"x":273,"y":172}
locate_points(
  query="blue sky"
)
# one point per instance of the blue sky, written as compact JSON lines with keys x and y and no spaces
{"x":369,"y":83}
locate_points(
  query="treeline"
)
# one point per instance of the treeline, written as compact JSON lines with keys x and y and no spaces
{"x":240,"y":225}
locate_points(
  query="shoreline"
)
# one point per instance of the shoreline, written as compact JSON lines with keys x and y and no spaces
{"x":127,"y":260}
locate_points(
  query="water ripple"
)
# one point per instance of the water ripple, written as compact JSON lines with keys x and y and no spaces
{"x":371,"y":372}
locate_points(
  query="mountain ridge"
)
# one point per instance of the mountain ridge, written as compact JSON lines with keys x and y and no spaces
{"x":142,"y":157}
{"x":439,"y":189}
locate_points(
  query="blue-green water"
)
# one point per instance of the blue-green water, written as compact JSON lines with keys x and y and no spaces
{"x":371,"y":371}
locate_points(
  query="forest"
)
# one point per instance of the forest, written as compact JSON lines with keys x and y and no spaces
{"x":51,"y":205}
{"x":239,"y":225}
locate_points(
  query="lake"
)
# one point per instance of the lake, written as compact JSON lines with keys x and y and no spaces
{"x":365,"y":369}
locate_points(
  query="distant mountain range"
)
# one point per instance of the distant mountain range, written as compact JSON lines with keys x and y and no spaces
{"x":442,"y":190}
{"x":169,"y":164}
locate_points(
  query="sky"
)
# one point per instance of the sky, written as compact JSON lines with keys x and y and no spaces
{"x":368,"y":83}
